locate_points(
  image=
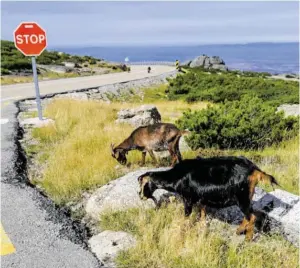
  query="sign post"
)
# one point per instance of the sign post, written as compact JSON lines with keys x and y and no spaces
{"x":31,"y":40}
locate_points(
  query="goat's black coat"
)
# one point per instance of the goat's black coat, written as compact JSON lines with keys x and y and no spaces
{"x":215,"y":182}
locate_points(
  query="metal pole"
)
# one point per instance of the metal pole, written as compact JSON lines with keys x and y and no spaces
{"x":37,"y":90}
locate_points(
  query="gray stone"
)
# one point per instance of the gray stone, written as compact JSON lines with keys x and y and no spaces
{"x":55,"y":68}
{"x":289,"y":109}
{"x":119,"y":194}
{"x":35,"y":122}
{"x":141,"y":116}
{"x":281,"y":208}
{"x":207,"y":62}
{"x":199,"y":61}
{"x":107,"y":245}
{"x":220,"y":67}
{"x":216,"y":60}
{"x":75,"y":96}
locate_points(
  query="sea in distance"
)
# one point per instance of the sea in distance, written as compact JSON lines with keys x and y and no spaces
{"x":275,"y":58}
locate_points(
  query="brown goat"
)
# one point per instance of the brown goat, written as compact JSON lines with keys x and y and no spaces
{"x":157,"y":137}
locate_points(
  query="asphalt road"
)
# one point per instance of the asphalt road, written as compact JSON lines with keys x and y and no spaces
{"x":43,"y":236}
{"x":18,"y":91}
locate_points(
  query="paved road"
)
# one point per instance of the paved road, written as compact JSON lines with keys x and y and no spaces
{"x":42,"y":236}
{"x":27,"y":89}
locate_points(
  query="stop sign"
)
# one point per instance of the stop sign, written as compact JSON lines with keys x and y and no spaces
{"x":30,"y":38}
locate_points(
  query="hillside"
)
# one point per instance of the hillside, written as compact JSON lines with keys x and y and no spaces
{"x":51,"y":64}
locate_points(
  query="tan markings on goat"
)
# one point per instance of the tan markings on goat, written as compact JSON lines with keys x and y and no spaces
{"x":254,"y":178}
{"x":143,"y":182}
{"x":242,"y":227}
{"x":250,"y":228}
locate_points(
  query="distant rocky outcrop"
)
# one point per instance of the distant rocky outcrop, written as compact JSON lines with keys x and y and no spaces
{"x":207,"y":62}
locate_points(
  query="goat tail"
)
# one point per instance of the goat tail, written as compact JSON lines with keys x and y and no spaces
{"x":266,"y":178}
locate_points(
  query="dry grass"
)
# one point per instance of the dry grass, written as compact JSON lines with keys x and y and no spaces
{"x":166,"y":239}
{"x":77,"y":149}
{"x":78,"y":145}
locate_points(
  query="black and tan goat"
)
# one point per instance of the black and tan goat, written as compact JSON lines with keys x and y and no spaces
{"x":215,"y":182}
{"x":157,"y":137}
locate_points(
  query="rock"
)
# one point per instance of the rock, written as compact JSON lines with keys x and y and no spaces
{"x":107,"y":244}
{"x":280,"y":209}
{"x":75,"y":96}
{"x":35,"y":122}
{"x":119,"y":194}
{"x":70,"y":64}
{"x":55,"y":68}
{"x":207,"y":62}
{"x":141,"y":116}
{"x":199,"y":61}
{"x":220,"y":67}
{"x":216,"y":60}
{"x":289,"y":109}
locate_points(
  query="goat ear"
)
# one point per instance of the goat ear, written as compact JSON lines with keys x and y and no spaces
{"x":140,"y":178}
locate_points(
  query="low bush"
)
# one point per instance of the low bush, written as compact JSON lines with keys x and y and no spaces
{"x":4,"y":71}
{"x":245,"y":124}
{"x":18,"y":64}
{"x":197,"y":85}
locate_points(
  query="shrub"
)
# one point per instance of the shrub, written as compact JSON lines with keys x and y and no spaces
{"x":4,"y":71}
{"x":245,"y":124}
{"x":198,"y":86}
{"x":16,"y":64}
{"x":92,"y":61}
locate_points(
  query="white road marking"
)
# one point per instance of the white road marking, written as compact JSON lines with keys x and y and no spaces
{"x":4,"y":121}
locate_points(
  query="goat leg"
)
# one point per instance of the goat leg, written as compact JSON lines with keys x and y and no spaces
{"x":188,"y":207}
{"x":250,"y":228}
{"x":153,"y":157}
{"x":143,"y":159}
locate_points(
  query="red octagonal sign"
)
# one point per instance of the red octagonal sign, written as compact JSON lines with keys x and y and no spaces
{"x":30,"y":38}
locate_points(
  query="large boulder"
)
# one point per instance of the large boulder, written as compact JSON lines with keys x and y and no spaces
{"x":199,"y":61}
{"x":107,"y":245}
{"x":119,"y":194}
{"x":280,"y":210}
{"x":141,"y":116}
{"x":207,"y":62}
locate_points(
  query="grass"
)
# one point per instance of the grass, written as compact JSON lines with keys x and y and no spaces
{"x":166,"y":239}
{"x":77,"y":146}
{"x":76,"y":150}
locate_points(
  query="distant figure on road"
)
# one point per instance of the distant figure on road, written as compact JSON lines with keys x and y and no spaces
{"x":149,"y":69}
{"x":177,"y":64}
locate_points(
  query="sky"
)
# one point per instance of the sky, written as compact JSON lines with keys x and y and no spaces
{"x":75,"y":24}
